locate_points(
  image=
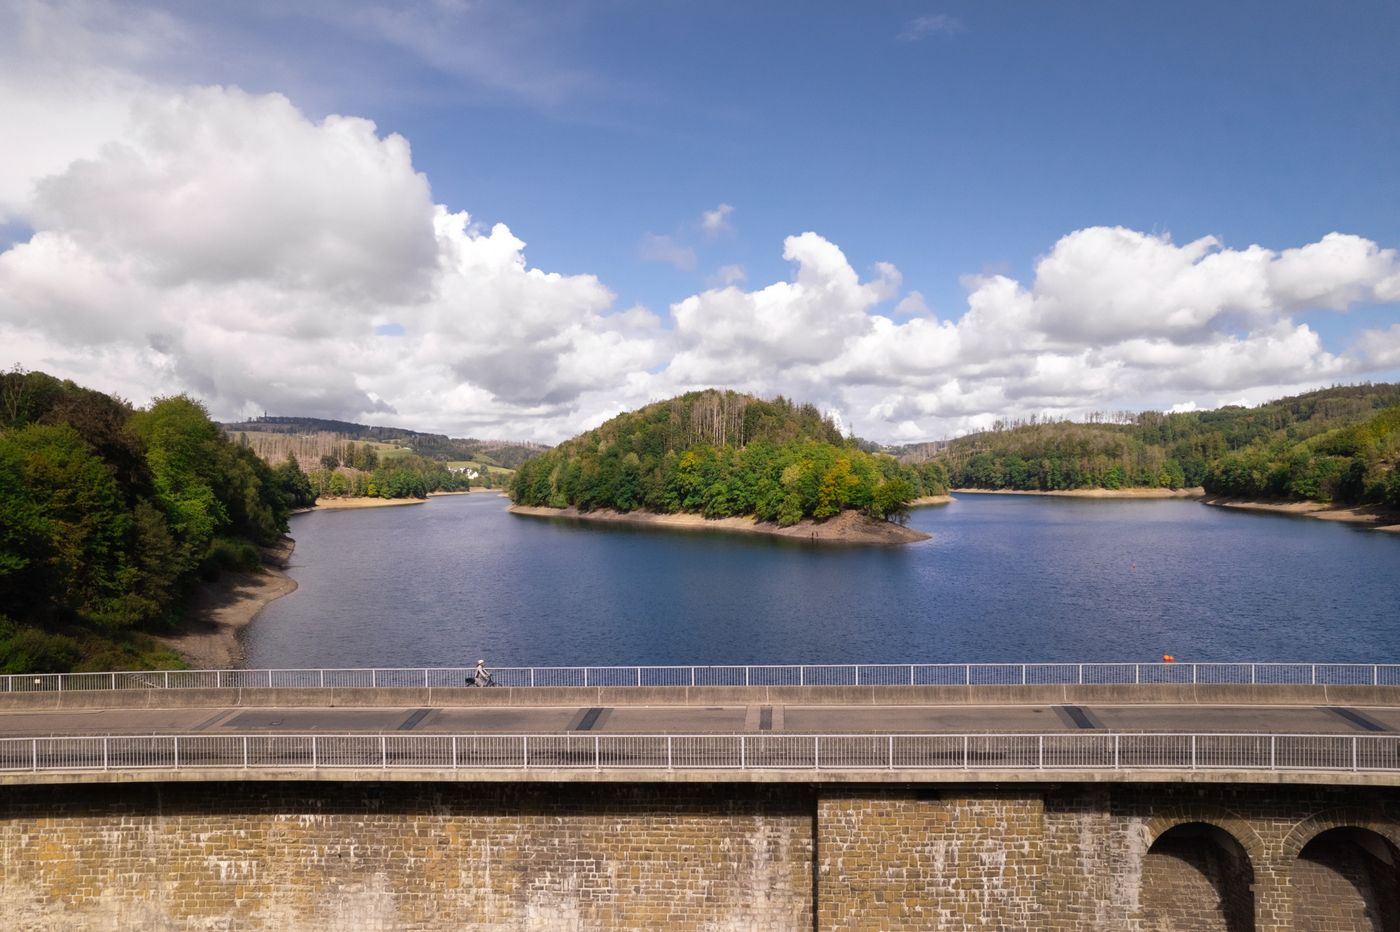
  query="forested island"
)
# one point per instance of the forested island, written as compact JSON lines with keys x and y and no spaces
{"x":110,"y":518}
{"x":725,"y":455}
{"x":1338,"y":445}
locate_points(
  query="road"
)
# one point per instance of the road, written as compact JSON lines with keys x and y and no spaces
{"x":723,"y":719}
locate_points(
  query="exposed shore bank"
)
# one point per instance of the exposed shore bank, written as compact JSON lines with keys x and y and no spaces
{"x":220,"y":610}
{"x":1380,"y":519}
{"x":1195,"y":492}
{"x":849,"y":527}
{"x":926,"y":500}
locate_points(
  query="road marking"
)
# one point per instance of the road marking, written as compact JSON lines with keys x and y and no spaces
{"x":1359,"y":719}
{"x":587,"y":719}
{"x":412,"y":721}
{"x":1076,"y":717}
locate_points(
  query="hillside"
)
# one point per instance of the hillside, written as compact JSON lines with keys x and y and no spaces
{"x":110,"y":516}
{"x":1335,"y":445}
{"x":723,"y":454}
{"x":310,"y":438}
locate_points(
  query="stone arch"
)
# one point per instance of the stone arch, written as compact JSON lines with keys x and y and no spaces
{"x":1198,"y":875}
{"x":1346,"y":875}
{"x":1308,"y":829}
{"x":1231,"y":823}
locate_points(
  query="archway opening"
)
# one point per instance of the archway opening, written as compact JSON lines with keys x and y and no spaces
{"x":1347,"y":878}
{"x":1197,"y":878}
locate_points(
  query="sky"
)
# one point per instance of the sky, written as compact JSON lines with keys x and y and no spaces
{"x":514,"y":220}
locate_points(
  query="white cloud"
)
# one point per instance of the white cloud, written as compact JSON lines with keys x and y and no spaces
{"x":657,"y":247}
{"x":224,"y":243}
{"x":935,"y":24}
{"x":714,"y":222}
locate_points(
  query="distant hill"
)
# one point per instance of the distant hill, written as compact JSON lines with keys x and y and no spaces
{"x":723,"y":454}
{"x":1338,"y":444}
{"x":506,"y":454}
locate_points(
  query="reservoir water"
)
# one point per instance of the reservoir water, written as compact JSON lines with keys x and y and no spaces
{"x":1004,"y":578}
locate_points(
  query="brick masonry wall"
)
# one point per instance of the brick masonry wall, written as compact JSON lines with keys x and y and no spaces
{"x":369,"y":856}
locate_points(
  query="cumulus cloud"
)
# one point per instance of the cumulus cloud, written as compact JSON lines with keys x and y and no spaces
{"x":714,"y":222}
{"x":210,"y":240}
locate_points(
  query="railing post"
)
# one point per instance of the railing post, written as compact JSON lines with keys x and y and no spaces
{"x":177,"y":752}
{"x":1193,"y":673}
{"x":1137,"y":674}
{"x":857,"y":666}
{"x":374,"y":678}
{"x":1252,"y":674}
{"x":1081,"y":674}
{"x":891,"y":752}
{"x":1273,"y":752}
{"x":967,"y":674}
{"x":1040,"y":752}
{"x":585,"y":676}
{"x":532,"y":677}
{"x":218,"y":679}
{"x":105,"y":744}
{"x":1354,"y":740}
{"x":816,"y":752}
{"x":801,"y":675}
{"x":114,"y":681}
{"x":383,"y":753}
{"x":321,"y":679}
{"x":1193,"y":752}
{"x":167,"y":679}
{"x":597,"y":753}
{"x":34,"y":753}
{"x":743,"y":753}
{"x":1375,"y":675}
{"x":911,"y":674}
{"x":746,"y":675}
{"x":524,"y":751}
{"x":1314,"y":674}
{"x":967,"y":753}
{"x":245,"y":752}
{"x":639,"y":676}
{"x":1023,"y":674}
{"x":1116,"y":759}
{"x":669,"y":739}
{"x":425,"y":677}
{"x":269,"y":679}
{"x":454,"y":752}
{"x":315,"y":755}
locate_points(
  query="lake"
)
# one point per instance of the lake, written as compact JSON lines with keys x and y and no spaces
{"x":1004,"y":578}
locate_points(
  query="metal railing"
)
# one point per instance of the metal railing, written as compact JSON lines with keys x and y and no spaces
{"x":872,"y":674}
{"x":748,"y":752}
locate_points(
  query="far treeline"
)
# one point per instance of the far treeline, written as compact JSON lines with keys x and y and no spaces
{"x":503,"y":453}
{"x":723,"y":454}
{"x":1336,"y":445}
{"x":110,"y":516}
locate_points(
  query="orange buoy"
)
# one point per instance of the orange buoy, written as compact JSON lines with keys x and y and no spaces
{"x":1167,"y":658}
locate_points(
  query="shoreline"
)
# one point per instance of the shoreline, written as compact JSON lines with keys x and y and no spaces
{"x":1379,"y":518}
{"x":221,"y":610}
{"x":927,"y":500}
{"x":849,"y":527}
{"x":1195,"y":492}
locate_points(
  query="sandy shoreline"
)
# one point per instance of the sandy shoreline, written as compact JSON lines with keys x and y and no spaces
{"x":926,"y":500}
{"x":1381,"y":519}
{"x":849,"y":527}
{"x":222,"y":609}
{"x":1196,"y":492}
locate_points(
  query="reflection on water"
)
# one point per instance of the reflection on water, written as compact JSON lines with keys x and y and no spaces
{"x":1004,"y":578}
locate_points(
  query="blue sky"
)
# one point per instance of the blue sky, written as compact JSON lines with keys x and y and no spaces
{"x":956,"y":142}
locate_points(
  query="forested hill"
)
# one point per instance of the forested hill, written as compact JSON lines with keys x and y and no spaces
{"x":109,"y":515}
{"x":1338,"y":444}
{"x":721,"y":453}
{"x":503,"y":453}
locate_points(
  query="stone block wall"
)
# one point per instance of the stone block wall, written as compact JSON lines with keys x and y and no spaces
{"x":367,"y":857}
{"x":381,"y":856}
